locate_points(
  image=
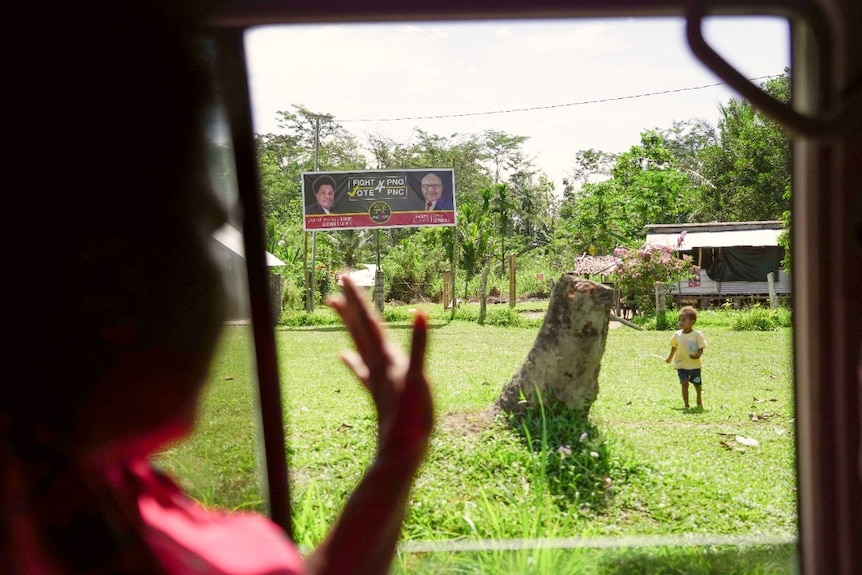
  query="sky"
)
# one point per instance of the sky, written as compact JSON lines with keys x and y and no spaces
{"x":566,"y":85}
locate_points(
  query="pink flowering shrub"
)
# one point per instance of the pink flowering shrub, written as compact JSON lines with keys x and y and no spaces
{"x":638,"y":269}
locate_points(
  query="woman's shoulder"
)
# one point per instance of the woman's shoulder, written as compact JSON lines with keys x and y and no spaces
{"x":182,"y":532}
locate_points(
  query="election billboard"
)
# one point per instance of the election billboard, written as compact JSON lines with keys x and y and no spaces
{"x":378,"y":199}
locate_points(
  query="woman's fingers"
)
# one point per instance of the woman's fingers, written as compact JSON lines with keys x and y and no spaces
{"x":418,"y":345}
{"x":355,"y":363}
{"x":396,"y":381}
{"x":364,"y":328}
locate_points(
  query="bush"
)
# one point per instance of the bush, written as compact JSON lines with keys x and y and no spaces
{"x":323,"y":316}
{"x":638,"y":270}
{"x":413,"y":269}
{"x":784,"y":316}
{"x":503,"y":317}
{"x":666,"y":320}
{"x":756,"y":318}
{"x":292,"y":297}
{"x":662,"y":322}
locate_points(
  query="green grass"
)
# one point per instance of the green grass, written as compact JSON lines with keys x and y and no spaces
{"x":640,"y":468}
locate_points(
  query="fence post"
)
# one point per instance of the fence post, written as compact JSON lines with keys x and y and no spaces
{"x":513,"y":296}
{"x":773,"y":298}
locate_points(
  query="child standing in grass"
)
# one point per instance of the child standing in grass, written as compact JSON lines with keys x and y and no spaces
{"x":686,"y":348}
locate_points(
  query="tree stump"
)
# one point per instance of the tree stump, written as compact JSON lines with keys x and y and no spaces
{"x":563,"y":364}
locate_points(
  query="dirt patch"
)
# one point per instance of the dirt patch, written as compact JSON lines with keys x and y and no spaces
{"x":469,"y":423}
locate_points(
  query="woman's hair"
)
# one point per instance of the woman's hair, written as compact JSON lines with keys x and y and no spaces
{"x":135,"y":89}
{"x":116,"y":99}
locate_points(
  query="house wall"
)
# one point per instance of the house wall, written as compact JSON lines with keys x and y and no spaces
{"x":737,"y":291}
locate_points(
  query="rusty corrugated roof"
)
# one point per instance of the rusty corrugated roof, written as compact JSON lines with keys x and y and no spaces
{"x":594,"y":265}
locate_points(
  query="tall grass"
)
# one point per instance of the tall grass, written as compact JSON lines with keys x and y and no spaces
{"x":545,"y":493}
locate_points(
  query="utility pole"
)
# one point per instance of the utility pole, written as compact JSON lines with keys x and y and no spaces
{"x":313,"y":287}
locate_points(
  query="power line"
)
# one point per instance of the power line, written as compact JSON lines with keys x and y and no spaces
{"x":553,"y":106}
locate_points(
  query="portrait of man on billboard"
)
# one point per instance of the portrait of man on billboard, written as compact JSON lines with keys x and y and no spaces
{"x":436,"y":194}
{"x":324,"y":193}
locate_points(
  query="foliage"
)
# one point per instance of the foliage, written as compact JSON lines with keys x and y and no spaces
{"x":748,"y":168}
{"x":784,"y":238}
{"x":639,"y":269}
{"x":665,"y":320}
{"x":320,"y":316}
{"x":647,"y":185}
{"x":292,"y":296}
{"x":504,"y":317}
{"x":691,"y":172}
{"x":413,"y":269}
{"x":757,"y":318}
{"x":504,"y":151}
{"x":475,"y":233}
{"x":753,"y":318}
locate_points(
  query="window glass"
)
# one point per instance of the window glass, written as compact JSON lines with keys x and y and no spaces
{"x":566,"y":115}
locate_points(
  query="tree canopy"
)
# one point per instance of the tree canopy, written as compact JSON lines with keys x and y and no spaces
{"x":737,"y":170}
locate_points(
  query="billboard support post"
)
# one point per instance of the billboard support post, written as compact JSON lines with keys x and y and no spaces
{"x":378,"y":290}
{"x":305,"y":281}
{"x":513,"y":296}
{"x":378,"y":276}
{"x":313,"y":266}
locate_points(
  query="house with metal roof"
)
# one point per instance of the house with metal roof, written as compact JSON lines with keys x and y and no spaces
{"x":739,"y":262}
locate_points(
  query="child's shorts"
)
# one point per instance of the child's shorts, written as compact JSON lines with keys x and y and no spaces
{"x":690,"y":375}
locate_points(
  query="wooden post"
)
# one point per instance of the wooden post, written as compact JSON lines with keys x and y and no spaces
{"x":659,"y":298}
{"x":773,"y":298}
{"x":447,"y":288}
{"x":513,"y":296}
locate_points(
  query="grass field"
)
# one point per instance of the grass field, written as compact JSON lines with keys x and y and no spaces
{"x":641,"y":487}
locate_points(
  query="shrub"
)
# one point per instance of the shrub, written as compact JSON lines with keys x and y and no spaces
{"x":323,"y":316}
{"x":756,"y":318}
{"x":666,"y":320}
{"x":784,"y":316}
{"x":504,"y":317}
{"x":661,"y":322}
{"x":413,"y":269}
{"x":640,"y":268}
{"x":292,"y":296}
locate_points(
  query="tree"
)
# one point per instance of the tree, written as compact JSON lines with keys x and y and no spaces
{"x":646,"y":186}
{"x":415,"y":264}
{"x":639,"y":269}
{"x":277,"y":161}
{"x":504,"y":150}
{"x":501,"y":206}
{"x":320,"y":134}
{"x":476,"y":232}
{"x":590,"y":166}
{"x":749,"y":167}
{"x":351,"y":247}
{"x":685,"y":140}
